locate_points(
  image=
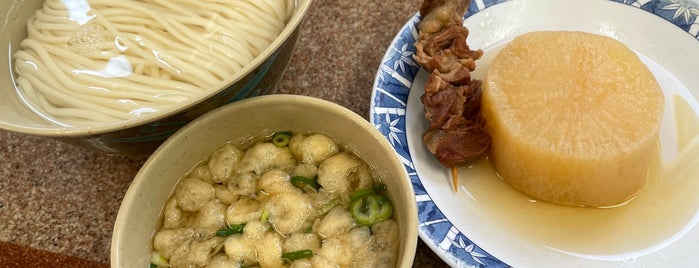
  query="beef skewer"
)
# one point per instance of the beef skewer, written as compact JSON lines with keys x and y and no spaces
{"x":452,"y":99}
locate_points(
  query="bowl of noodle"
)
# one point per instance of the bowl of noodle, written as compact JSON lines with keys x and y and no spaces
{"x":122,"y":76}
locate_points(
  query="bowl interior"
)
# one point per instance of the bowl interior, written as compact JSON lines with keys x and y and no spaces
{"x":140,"y":209}
{"x":18,"y":117}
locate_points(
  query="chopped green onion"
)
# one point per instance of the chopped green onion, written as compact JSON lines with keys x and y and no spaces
{"x":360,"y":193}
{"x":295,"y":255}
{"x":232,"y":229}
{"x":304,"y":183}
{"x":327,"y":207}
{"x":157,"y":260}
{"x":308,"y":229}
{"x":380,"y":187}
{"x":371,"y":208}
{"x":265,"y":215}
{"x":281,"y":138}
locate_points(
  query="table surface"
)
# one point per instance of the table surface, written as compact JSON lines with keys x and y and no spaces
{"x":62,"y":200}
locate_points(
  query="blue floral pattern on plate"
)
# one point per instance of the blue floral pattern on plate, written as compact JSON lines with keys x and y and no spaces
{"x":388,"y":114}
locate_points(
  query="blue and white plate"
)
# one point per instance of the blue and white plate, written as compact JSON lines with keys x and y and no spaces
{"x":486,"y":223}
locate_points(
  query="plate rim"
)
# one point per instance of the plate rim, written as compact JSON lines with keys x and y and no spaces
{"x":399,"y":54}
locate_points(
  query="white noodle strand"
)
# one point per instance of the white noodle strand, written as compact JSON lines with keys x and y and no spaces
{"x":128,"y":56}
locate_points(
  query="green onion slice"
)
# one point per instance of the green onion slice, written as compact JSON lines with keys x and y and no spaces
{"x":295,"y":255}
{"x":232,"y":229}
{"x":370,"y":209}
{"x":327,"y":207}
{"x":265,"y":215}
{"x":304,"y":183}
{"x":361,"y":193}
{"x":281,"y":138}
{"x":380,"y":187}
{"x":157,"y":260}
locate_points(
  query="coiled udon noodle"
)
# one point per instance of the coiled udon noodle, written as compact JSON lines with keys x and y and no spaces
{"x":87,"y":62}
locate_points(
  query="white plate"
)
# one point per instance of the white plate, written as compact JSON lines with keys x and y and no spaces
{"x":473,"y":227}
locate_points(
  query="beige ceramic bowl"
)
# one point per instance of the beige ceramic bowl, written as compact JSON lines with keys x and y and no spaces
{"x":140,"y":136}
{"x":142,"y":204}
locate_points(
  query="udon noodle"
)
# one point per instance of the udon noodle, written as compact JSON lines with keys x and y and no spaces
{"x":87,"y":62}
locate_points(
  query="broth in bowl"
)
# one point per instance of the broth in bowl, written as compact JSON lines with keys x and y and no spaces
{"x":300,"y":200}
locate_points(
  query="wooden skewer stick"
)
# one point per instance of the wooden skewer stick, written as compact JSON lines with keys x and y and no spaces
{"x":455,"y":178}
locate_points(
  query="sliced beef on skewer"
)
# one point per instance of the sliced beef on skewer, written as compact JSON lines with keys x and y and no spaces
{"x":451,"y":99}
{"x":455,"y":135}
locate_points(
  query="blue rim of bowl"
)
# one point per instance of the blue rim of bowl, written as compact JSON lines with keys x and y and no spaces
{"x":388,"y":114}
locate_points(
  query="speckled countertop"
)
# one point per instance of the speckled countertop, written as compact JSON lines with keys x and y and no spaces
{"x":63,"y":200}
